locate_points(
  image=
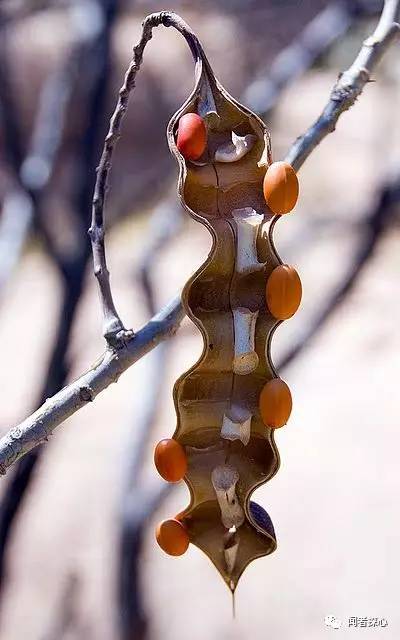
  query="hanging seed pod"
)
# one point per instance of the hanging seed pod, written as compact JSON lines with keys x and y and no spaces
{"x":281,"y":187}
{"x":229,"y":450}
{"x":227,"y":404}
{"x":172,"y":537}
{"x":283,"y":292}
{"x":170,"y":460}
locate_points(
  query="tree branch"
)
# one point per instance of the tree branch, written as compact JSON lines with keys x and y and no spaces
{"x":349,"y":85}
{"x":39,"y":426}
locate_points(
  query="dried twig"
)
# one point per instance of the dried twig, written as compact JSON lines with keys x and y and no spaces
{"x":349,"y":85}
{"x":39,"y":426}
{"x":113,"y":328}
{"x":34,"y":430}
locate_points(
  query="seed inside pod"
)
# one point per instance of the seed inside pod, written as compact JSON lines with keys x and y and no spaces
{"x":172,"y":537}
{"x":192,"y":136}
{"x":281,"y":187}
{"x":170,"y":460}
{"x":275,"y":403}
{"x":283,"y":292}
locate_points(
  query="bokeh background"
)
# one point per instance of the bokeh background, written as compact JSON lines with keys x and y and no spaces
{"x":78,"y":557}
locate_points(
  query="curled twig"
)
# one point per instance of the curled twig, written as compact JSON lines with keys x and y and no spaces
{"x":113,"y":328}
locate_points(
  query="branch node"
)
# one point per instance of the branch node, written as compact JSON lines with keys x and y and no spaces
{"x":86,"y":393}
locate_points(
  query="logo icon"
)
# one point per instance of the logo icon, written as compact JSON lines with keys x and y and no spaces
{"x":333,"y":622}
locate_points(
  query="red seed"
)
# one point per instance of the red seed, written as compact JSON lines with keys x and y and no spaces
{"x":192,"y":136}
{"x":281,"y":187}
{"x":172,"y":537}
{"x":170,"y":460}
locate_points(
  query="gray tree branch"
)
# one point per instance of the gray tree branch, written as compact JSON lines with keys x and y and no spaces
{"x":349,"y":85}
{"x":40,"y":425}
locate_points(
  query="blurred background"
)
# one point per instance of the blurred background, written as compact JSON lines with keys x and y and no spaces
{"x":78,"y":558}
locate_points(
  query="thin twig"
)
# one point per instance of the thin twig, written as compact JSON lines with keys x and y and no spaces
{"x":349,"y":85}
{"x":113,"y":328}
{"x":41,"y":424}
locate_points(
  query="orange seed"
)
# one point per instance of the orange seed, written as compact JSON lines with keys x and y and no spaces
{"x":170,"y":460}
{"x":281,"y":187}
{"x":275,"y":403}
{"x":172,"y":537}
{"x":283,"y":292}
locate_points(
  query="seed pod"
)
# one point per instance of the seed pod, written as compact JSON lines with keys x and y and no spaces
{"x":217,"y":400}
{"x":275,"y":403}
{"x":229,"y":403}
{"x":172,"y":537}
{"x":283,"y":292}
{"x":170,"y":460}
{"x":192,"y":136}
{"x":281,"y":187}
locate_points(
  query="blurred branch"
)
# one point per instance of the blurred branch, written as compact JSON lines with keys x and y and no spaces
{"x":165,"y":223}
{"x":350,"y":84}
{"x":143,"y":503}
{"x":12,"y":10}
{"x":374,"y":226}
{"x":40,"y":425}
{"x":88,"y":60}
{"x":32,"y":173}
{"x":318,"y":35}
{"x":138,"y":501}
